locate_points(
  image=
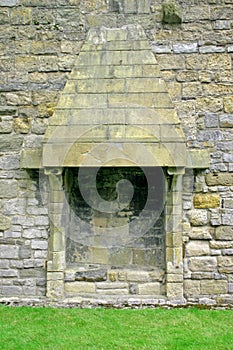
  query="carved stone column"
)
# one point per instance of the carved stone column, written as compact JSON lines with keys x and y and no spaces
{"x":56,"y":257}
{"x":174,"y":244}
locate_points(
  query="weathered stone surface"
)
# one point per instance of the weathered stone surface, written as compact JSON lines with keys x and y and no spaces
{"x":213,"y":287}
{"x":138,"y":276}
{"x":224,"y":233}
{"x":9,"y":3}
{"x":225,"y":264}
{"x":228,"y":104}
{"x":11,"y":290}
{"x":8,"y":188}
{"x":55,"y":289}
{"x":22,"y":125}
{"x":204,"y":201}
{"x":172,"y":12}
{"x":226,"y":121}
{"x":5,"y":223}
{"x":200,"y":233}
{"x":91,"y":275}
{"x":227,"y":216}
{"x":197,"y":248}
{"x":192,"y":288}
{"x":8,"y":251}
{"x":174,"y":291}
{"x":221,"y":244}
{"x":198,"y":217}
{"x":149,"y":289}
{"x":79,"y":287}
{"x":14,"y":143}
{"x":208,"y":264}
{"x":224,"y":179}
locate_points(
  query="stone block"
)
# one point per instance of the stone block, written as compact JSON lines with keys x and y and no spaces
{"x":122,"y":276}
{"x":25,"y":252}
{"x":175,"y":278}
{"x":9,"y":162}
{"x":167,"y":62}
{"x":79,"y":287}
{"x":225,"y":264}
{"x":198,"y":159}
{"x":11,"y":290}
{"x":6,"y":125}
{"x":42,"y":220}
{"x":222,"y":179}
{"x":9,"y":251}
{"x":201,"y":233}
{"x":174,"y":290}
{"x":152,"y":288}
{"x":211,"y":49}
{"x":138,"y":276}
{"x":209,"y":104}
{"x":205,"y":201}
{"x":91,"y":275}
{"x":174,"y":255}
{"x":4,"y":264}
{"x":201,"y":275}
{"x":226,"y":121}
{"x":227,"y":217}
{"x":208,"y":264}
{"x":54,"y":276}
{"x":55,"y":289}
{"x":198,"y":217}
{"x":214,"y":287}
{"x":109,"y":285}
{"x":22,"y":125}
{"x":8,"y":273}
{"x":228,"y":104}
{"x":227,"y":252}
{"x":197,"y":248}
{"x":8,"y":3}
{"x":192,"y":288}
{"x":5,"y":223}
{"x":39,"y":244}
{"x":224,"y":233}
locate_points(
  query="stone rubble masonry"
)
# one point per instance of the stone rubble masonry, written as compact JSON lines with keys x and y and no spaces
{"x":39,"y":43}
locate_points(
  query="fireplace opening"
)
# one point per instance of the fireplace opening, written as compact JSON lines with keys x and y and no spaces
{"x":115,"y":218}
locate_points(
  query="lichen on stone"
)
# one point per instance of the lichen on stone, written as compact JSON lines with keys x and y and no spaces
{"x":172,"y":13}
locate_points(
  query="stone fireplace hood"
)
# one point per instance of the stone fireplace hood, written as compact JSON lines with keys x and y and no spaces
{"x":115,"y":109}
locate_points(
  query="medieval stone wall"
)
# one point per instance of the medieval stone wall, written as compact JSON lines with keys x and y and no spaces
{"x":39,"y":43}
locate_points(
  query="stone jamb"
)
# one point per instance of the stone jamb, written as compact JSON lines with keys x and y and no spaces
{"x":174,"y":244}
{"x":56,"y":257}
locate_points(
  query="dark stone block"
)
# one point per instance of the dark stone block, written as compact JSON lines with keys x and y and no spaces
{"x":172,"y":13}
{"x":92,"y":275}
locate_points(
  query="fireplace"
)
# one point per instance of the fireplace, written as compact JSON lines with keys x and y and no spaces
{"x":114,"y":154}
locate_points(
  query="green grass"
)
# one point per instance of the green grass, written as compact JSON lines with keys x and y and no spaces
{"x":47,"y":328}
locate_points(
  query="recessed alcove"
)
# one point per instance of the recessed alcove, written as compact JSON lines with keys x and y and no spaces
{"x":131,"y":234}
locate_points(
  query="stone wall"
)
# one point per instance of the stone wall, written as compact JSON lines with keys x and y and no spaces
{"x":39,"y":43}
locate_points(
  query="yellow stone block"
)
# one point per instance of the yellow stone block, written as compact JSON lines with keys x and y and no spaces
{"x":205,"y":201}
{"x":228,"y":104}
